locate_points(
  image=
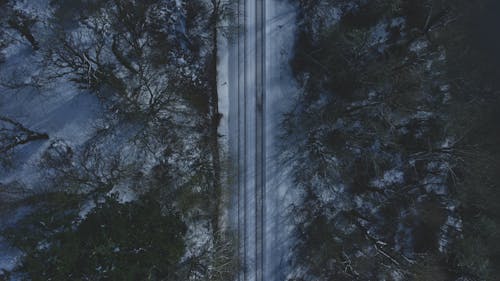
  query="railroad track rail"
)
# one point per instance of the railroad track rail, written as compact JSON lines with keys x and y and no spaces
{"x":259,"y":84}
{"x":251,"y":153}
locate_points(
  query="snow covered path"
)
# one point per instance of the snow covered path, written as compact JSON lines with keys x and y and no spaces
{"x":260,"y":86}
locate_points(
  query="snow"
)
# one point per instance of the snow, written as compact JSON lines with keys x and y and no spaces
{"x":57,"y":108}
{"x":198,"y":239}
{"x":85,"y":209}
{"x":398,"y":22}
{"x":9,"y":257}
{"x":379,"y":35}
{"x":324,"y":17}
{"x":238,"y":124}
{"x":419,"y":46}
{"x":452,"y":225}
{"x":71,"y":116}
{"x":123,"y":193}
{"x":223,"y":87}
{"x":281,"y":24}
{"x":390,"y":177}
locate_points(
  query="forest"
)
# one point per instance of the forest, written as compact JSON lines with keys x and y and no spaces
{"x":113,"y":165}
{"x":395,"y":140}
{"x":124,"y":181}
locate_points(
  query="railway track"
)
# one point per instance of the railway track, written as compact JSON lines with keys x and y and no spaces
{"x":257,"y":88}
{"x":260,"y":161}
{"x":250,"y":88}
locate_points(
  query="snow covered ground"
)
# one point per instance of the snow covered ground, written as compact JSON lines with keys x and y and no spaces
{"x":57,"y":108}
{"x":280,"y":89}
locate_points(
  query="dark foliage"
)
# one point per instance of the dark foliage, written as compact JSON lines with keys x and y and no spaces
{"x":391,"y":130}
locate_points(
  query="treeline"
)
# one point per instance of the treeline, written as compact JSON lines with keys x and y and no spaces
{"x":396,"y":137}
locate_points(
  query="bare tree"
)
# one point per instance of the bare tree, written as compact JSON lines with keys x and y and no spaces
{"x":14,"y":134}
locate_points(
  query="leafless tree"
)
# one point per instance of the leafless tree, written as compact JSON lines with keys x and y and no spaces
{"x":14,"y":134}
